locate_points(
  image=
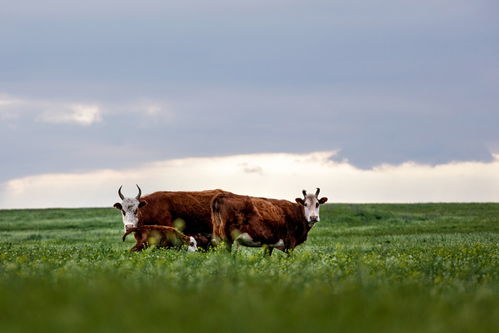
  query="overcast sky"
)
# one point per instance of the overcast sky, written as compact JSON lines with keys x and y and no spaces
{"x":117,"y":85}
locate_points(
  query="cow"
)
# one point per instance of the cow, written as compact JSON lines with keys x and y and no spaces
{"x":188,"y":211}
{"x":160,"y":236}
{"x":262,"y":222}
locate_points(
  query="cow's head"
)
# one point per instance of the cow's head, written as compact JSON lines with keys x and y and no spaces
{"x":311,"y":203}
{"x":129,"y":208}
{"x":193,"y":245}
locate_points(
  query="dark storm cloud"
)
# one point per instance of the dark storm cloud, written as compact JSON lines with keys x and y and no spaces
{"x":381,"y":83}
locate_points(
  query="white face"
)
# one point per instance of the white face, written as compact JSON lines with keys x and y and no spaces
{"x":311,"y":204}
{"x":311,"y":208}
{"x":129,"y":208}
{"x":192,"y":245}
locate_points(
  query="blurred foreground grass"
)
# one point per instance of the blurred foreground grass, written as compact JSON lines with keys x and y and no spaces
{"x":390,"y":268}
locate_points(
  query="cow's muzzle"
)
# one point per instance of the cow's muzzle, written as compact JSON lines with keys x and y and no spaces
{"x":313,"y":221}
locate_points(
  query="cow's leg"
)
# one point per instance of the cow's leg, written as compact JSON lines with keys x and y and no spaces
{"x":228,"y":239}
{"x":138,"y":247}
{"x":215,"y":241}
{"x":141,"y":238}
{"x":268,"y":249}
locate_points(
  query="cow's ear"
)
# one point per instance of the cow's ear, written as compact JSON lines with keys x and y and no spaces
{"x":142,"y":204}
{"x":323,"y":200}
{"x":300,"y":201}
{"x":118,"y":206}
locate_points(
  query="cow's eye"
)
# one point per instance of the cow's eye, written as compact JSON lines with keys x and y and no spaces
{"x":123,"y":212}
{"x":316,"y":205}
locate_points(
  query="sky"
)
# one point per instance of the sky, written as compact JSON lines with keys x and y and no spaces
{"x":368,"y":95}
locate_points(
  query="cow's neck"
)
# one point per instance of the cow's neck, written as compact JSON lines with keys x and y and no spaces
{"x":302,"y":219}
{"x":140,"y":218}
{"x":302,"y":227}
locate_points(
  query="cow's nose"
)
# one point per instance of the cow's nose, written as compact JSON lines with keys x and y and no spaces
{"x":314,"y":218}
{"x":128,"y":226}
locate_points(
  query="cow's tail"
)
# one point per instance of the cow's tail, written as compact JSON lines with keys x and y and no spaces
{"x":216,"y":219}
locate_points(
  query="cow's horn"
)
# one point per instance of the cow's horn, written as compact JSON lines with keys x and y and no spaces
{"x":317,"y":192}
{"x":140,"y":193}
{"x":120,"y":194}
{"x":304,"y":193}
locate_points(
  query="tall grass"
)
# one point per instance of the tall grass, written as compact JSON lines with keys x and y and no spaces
{"x":390,"y":268}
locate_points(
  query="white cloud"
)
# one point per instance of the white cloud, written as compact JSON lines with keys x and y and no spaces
{"x":77,"y":113}
{"x":7,"y":104}
{"x":157,"y":111}
{"x":81,"y":113}
{"x":52,"y":111}
{"x":278,"y":176}
{"x":5,"y":100}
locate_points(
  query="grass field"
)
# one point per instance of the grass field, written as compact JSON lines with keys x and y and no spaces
{"x":364,"y":268}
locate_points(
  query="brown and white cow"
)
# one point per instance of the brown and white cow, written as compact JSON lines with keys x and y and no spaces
{"x":257,"y":222}
{"x":192,"y":209}
{"x":160,"y":236}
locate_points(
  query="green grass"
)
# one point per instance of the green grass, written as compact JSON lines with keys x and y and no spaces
{"x":376,"y":268}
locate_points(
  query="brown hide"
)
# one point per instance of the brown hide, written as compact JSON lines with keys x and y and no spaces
{"x":265,"y":220}
{"x":160,"y":236}
{"x":164,"y":208}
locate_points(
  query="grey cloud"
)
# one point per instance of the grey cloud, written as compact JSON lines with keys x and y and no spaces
{"x":380,"y":82}
{"x":226,"y":123}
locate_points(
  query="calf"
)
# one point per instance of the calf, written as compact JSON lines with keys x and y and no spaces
{"x":160,"y":236}
{"x":257,"y":222}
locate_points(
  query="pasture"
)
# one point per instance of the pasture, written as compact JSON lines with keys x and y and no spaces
{"x":377,"y":268}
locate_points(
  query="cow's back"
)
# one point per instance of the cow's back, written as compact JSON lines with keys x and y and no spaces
{"x":276,"y":211}
{"x":170,"y":208}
